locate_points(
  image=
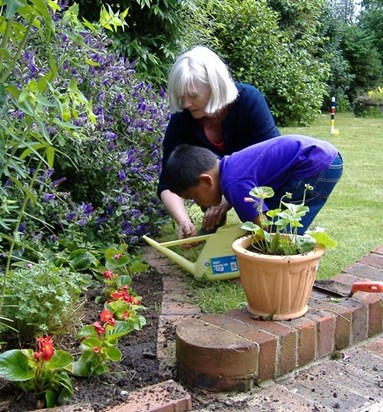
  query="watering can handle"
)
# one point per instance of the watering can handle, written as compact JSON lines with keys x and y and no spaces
{"x":188,"y":240}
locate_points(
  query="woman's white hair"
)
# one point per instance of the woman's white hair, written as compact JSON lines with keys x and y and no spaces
{"x":201,"y":67}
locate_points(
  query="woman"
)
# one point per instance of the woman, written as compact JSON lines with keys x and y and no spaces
{"x":210,"y":110}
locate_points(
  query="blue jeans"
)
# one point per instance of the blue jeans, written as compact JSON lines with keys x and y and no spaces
{"x":323,"y":184}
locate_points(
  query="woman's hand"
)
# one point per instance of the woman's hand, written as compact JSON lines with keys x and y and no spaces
{"x":186,"y":229}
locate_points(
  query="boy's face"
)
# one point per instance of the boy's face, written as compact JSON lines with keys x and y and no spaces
{"x":204,"y":194}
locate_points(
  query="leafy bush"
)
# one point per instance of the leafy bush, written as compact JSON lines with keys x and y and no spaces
{"x":116,"y":167}
{"x":43,"y":299}
{"x":280,"y":61}
{"x":153,"y":36}
{"x":69,"y":102}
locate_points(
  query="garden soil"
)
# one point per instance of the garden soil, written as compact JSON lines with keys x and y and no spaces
{"x":139,"y":366}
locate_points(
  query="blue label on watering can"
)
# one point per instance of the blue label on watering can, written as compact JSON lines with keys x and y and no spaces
{"x":224,"y":264}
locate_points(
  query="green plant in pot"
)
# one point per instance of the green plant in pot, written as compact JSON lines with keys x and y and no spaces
{"x":277,"y":265}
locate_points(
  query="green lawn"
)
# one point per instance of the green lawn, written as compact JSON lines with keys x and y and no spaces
{"x":353,"y":215}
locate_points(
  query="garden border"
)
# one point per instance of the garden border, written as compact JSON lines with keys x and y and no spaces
{"x":280,"y":347}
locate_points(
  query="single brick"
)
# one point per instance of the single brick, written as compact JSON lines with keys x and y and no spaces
{"x":359,"y":326}
{"x":287,"y":361}
{"x":348,"y":278}
{"x":375,"y":311}
{"x":325,"y":331}
{"x":364,"y":272}
{"x":373,"y":260}
{"x":306,"y":329}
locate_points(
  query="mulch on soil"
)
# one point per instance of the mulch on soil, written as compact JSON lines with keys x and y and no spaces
{"x":138,"y":368}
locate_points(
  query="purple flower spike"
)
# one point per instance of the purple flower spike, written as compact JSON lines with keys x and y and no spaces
{"x":48,"y":197}
{"x":87,"y":208}
{"x":22,"y":227}
{"x":121,"y":175}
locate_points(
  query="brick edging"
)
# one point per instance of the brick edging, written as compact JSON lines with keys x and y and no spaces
{"x":277,"y":348}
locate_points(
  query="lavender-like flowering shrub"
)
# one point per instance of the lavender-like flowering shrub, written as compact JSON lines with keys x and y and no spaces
{"x":101,"y":125}
{"x":117,"y":166}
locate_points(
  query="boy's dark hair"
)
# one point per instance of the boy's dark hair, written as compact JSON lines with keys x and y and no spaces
{"x":185,"y":164}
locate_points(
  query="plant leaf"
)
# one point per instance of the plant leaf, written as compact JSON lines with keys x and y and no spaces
{"x":60,"y":360}
{"x":14,"y":366}
{"x":114,"y":354}
{"x":323,"y":238}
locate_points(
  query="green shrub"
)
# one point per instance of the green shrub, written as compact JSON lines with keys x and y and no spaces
{"x":42,"y":299}
{"x":278,"y":60}
{"x":154,"y":34}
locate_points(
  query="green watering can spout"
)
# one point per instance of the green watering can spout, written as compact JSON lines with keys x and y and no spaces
{"x":216,"y":260}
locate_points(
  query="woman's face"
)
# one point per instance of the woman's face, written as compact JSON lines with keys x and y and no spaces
{"x":196,"y":101}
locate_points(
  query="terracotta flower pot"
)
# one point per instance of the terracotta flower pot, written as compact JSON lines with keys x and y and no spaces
{"x":277,"y":287}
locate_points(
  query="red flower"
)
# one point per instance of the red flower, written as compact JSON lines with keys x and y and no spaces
{"x":107,"y":316}
{"x":108,"y":274}
{"x":45,"y":349}
{"x":99,"y":328}
{"x":125,"y":315}
{"x":96,"y":349}
{"x":117,"y":256}
{"x":117,"y":294}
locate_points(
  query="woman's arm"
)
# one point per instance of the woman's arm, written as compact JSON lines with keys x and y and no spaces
{"x":176,"y":208}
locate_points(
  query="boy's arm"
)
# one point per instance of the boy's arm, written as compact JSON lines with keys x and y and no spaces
{"x":235,"y":193}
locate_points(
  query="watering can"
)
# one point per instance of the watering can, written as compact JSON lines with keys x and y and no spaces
{"x":216,"y":260}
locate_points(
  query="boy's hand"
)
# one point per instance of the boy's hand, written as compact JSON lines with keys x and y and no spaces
{"x":214,"y":216}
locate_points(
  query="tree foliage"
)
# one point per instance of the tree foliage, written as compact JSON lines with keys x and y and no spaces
{"x":154,"y":33}
{"x":342,"y":10}
{"x":351,"y":51}
{"x":273,"y":45}
{"x":298,"y":53}
{"x":371,"y":21}
{"x":363,"y":57}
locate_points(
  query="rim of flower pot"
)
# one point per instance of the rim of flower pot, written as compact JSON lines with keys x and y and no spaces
{"x":240,"y":245}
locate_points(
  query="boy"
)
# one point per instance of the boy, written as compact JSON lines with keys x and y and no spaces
{"x":285,"y":163}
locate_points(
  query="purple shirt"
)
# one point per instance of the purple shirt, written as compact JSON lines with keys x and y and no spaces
{"x":271,"y":163}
